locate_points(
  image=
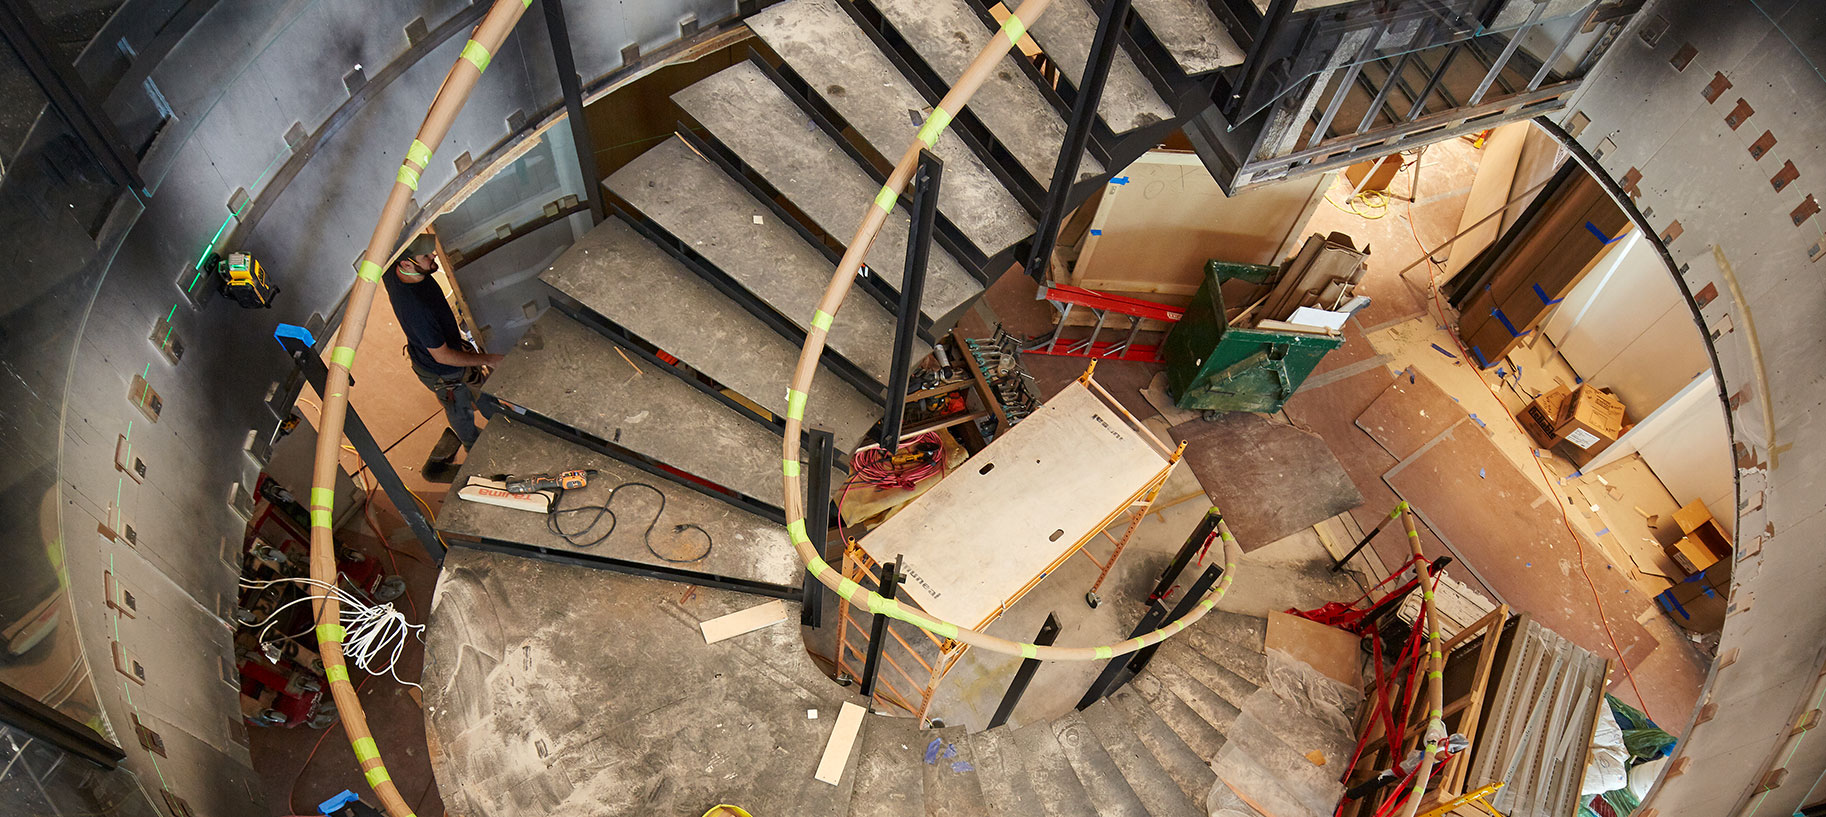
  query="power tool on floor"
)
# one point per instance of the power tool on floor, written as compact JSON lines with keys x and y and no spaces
{"x":563,"y":480}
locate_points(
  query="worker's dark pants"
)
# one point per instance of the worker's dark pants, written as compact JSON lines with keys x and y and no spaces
{"x":459,"y":402}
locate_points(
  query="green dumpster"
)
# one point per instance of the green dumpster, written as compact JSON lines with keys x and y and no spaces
{"x":1214,"y":367}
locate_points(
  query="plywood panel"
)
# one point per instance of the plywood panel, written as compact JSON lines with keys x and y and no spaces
{"x":1272,"y":480}
{"x":1409,"y":414}
{"x":1018,"y":507}
{"x":1155,"y":230}
{"x":1490,"y":191}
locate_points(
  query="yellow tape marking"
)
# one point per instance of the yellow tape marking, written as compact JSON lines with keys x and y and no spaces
{"x":323,"y":497}
{"x":407,"y":176}
{"x":377,"y":776}
{"x":935,"y":125}
{"x":797,"y":529}
{"x":368,"y":271}
{"x":1014,"y":28}
{"x":477,"y":55}
{"x":821,"y":320}
{"x":886,"y":199}
{"x":336,"y":673}
{"x":795,"y":404}
{"x":330,"y":633}
{"x":343,"y":356}
{"x":790,"y":467}
{"x":418,"y":154}
{"x":320,"y":519}
{"x":365,"y":750}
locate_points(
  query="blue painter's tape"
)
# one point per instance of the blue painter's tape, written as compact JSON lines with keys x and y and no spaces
{"x":1498,"y":314}
{"x":335,"y":804}
{"x":1119,"y":180}
{"x":1478,"y":355}
{"x":1442,"y":350}
{"x":1708,"y":591}
{"x":1600,"y":233}
{"x":1479,"y":422}
{"x":932,"y":751}
{"x":1096,"y":232}
{"x":1602,"y":532}
{"x":286,"y":330}
{"x":1542,"y":294}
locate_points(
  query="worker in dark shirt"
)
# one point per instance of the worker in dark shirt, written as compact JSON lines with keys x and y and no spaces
{"x":440,"y":356}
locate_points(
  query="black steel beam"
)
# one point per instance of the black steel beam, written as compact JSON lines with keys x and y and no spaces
{"x":1206,"y":527}
{"x":29,"y":715}
{"x":1255,"y":61}
{"x":926,"y":178}
{"x":1023,"y":676}
{"x":878,"y":632}
{"x":1200,"y":586}
{"x":650,"y":571}
{"x":1077,"y":134}
{"x":297,"y":343}
{"x":572,"y":86}
{"x":1110,"y":677}
{"x":822,"y":455}
{"x":68,"y":95}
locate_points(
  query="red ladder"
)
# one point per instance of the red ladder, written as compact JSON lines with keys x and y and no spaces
{"x":1103,"y":305}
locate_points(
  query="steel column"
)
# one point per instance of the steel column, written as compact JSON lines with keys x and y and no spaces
{"x":1049,"y":632}
{"x":572,"y":87}
{"x":817,"y":522}
{"x":1139,"y":661}
{"x":878,"y":631}
{"x":1207,"y":527}
{"x":68,"y":95}
{"x":912,"y":290}
{"x":1077,"y":134}
{"x":1107,"y":679}
{"x":297,"y":342}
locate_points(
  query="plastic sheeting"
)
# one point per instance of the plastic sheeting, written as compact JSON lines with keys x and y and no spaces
{"x":1266,"y":768}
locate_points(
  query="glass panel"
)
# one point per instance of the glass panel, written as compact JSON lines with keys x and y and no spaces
{"x":53,"y":198}
{"x":40,"y":780}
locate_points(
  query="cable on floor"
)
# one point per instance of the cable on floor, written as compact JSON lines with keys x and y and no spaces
{"x":601,"y":509}
{"x":1566,"y":520}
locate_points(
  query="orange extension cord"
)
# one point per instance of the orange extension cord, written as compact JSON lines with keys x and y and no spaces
{"x":1577,"y":541}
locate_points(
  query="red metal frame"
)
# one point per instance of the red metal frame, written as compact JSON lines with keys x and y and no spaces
{"x":1066,"y":298}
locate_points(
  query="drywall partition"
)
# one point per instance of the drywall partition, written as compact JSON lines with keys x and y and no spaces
{"x":287,"y":122}
{"x":1686,"y":442}
{"x":1696,"y":112}
{"x":1627,"y":328}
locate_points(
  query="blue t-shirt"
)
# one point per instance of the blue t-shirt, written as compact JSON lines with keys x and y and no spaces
{"x":425,"y":318}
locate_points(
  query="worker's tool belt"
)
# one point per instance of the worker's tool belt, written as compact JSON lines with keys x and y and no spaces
{"x":444,"y":386}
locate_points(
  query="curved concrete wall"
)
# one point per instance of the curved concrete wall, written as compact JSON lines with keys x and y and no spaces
{"x":236,"y":77}
{"x":1749,"y":256}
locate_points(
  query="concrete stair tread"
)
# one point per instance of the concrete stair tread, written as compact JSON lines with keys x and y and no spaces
{"x":947,"y":35}
{"x":1214,"y":708}
{"x":950,"y":776}
{"x":1002,"y":777}
{"x":518,"y":666}
{"x":698,"y":204}
{"x":1190,"y":31}
{"x":1251,"y":632}
{"x":888,"y":781}
{"x":571,"y":374}
{"x":743,"y":545}
{"x":1211,"y":674}
{"x":1152,"y":784}
{"x":1297,"y":779}
{"x":1189,"y":769}
{"x":746,"y":111}
{"x":1054,"y":781}
{"x":1247,"y":662}
{"x":1110,"y":792}
{"x":1189,"y":725}
{"x":618,"y":274}
{"x":820,"y":41}
{"x":1065,"y":32}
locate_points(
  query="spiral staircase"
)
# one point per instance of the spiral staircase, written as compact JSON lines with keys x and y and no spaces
{"x":555,"y":688}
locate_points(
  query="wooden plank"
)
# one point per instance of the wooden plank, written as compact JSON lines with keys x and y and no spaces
{"x":837,"y":749}
{"x":1336,"y":654}
{"x":743,"y":621}
{"x":1491,"y":627}
{"x":993,"y":527}
{"x":1491,"y":188}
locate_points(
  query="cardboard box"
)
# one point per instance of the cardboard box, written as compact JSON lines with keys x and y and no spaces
{"x":1541,"y":418}
{"x":1704,"y":544}
{"x":1699,"y":603}
{"x":1594,"y":420}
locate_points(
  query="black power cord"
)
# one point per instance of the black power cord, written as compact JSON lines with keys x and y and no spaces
{"x":576,"y":537}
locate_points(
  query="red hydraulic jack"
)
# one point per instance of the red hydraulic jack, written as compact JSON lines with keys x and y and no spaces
{"x":1103,"y":305}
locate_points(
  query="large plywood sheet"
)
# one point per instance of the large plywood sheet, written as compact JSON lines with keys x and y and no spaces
{"x":1272,"y":480}
{"x":1164,"y":217}
{"x":1017,"y":508}
{"x":1410,"y":413}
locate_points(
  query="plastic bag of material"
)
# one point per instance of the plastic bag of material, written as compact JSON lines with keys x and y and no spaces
{"x":1285,"y":752}
{"x":1608,"y":768}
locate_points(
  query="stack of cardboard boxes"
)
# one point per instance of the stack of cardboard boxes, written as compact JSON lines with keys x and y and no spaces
{"x":1697,"y":602}
{"x":1576,"y":424}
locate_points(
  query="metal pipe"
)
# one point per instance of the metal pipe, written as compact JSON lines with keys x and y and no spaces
{"x":1049,"y":632}
{"x":381,"y":249}
{"x":1077,"y":134}
{"x":912,"y":289}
